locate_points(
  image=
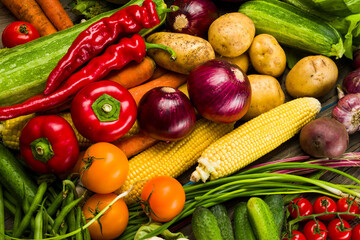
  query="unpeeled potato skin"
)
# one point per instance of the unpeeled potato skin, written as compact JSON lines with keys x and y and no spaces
{"x":191,"y":51}
{"x":267,"y":56}
{"x":312,"y":76}
{"x":241,"y":61}
{"x":231,"y":34}
{"x":266,"y":93}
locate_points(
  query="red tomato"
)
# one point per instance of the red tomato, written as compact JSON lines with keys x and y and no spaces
{"x":343,"y":205}
{"x":114,"y":221}
{"x":355,"y":232}
{"x":18,"y":33}
{"x":338,"y":230}
{"x":315,"y":230}
{"x":323,"y":204}
{"x":165,"y":197}
{"x":304,"y":206}
{"x":296,"y":235}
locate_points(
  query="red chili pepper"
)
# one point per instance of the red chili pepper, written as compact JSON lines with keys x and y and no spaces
{"x":115,"y":57}
{"x":100,"y":34}
{"x":103,"y":111}
{"x":49,"y":145}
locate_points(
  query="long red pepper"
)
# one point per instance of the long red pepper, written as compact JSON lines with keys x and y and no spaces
{"x":115,"y":57}
{"x":100,"y":34}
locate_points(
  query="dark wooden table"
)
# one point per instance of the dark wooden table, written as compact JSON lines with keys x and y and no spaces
{"x":288,"y":149}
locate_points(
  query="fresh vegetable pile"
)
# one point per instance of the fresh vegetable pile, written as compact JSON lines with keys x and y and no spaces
{"x":102,"y":119}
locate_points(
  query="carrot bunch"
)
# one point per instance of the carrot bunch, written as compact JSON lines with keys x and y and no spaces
{"x":47,"y":16}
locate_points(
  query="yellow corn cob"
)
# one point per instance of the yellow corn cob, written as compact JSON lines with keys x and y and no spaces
{"x":171,"y":159}
{"x":10,"y":130}
{"x":255,"y":138}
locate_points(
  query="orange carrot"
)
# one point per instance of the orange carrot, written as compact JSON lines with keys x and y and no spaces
{"x":30,"y":11}
{"x":159,"y":71}
{"x":135,"y":144}
{"x":170,"y":79}
{"x":134,"y":73}
{"x":54,"y":10}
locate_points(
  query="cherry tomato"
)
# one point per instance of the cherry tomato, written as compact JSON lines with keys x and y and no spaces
{"x":355,"y":232}
{"x":325,"y":203}
{"x":104,"y":168}
{"x":165,"y":197}
{"x":296,"y":235}
{"x":315,"y":230}
{"x":338,"y":230}
{"x":18,"y":33}
{"x":305,"y":207}
{"x":114,"y":220}
{"x":343,"y":205}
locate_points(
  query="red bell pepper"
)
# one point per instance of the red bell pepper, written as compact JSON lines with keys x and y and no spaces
{"x":48,"y":144}
{"x":103,"y":111}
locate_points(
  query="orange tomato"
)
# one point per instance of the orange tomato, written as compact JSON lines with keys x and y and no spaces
{"x":104,"y":168}
{"x":167,"y":198}
{"x":114,"y":220}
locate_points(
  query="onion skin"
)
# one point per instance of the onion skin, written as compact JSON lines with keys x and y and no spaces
{"x":166,"y":114}
{"x":347,"y":112}
{"x":324,"y":137}
{"x":351,"y":82}
{"x":356,"y":58}
{"x":194,"y":17}
{"x":219,"y":90}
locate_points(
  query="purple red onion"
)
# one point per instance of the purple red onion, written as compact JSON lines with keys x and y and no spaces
{"x":166,"y":114}
{"x":347,"y":112}
{"x":220,"y":91}
{"x":194,"y":17}
{"x":356,"y":58}
{"x":351,"y":82}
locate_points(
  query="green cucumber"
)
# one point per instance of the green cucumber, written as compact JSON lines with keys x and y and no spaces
{"x":277,"y":207}
{"x":14,"y":178}
{"x":204,"y":225}
{"x":261,"y":219}
{"x":294,"y":27}
{"x":242,"y":226}
{"x":24,"y":69}
{"x":224,"y":221}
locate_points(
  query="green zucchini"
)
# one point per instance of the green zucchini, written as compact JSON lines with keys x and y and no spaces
{"x":261,"y":219}
{"x":24,"y":69}
{"x":223,"y":221}
{"x":242,"y":226}
{"x":294,"y":27}
{"x":277,"y":207}
{"x":204,"y":225}
{"x":14,"y":178}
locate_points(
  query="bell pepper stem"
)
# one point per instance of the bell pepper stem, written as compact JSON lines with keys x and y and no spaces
{"x":163,"y":47}
{"x":42,"y":150}
{"x":106,"y":108}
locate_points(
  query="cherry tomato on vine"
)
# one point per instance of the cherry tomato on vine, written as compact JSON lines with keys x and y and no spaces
{"x":165,"y":196}
{"x":343,"y":205}
{"x":114,"y":221}
{"x":296,"y":235}
{"x":305,"y":207}
{"x":355,"y":232}
{"x":339,"y":230}
{"x":315,"y":230}
{"x":17,"y":33}
{"x":325,"y":203}
{"x":104,"y":168}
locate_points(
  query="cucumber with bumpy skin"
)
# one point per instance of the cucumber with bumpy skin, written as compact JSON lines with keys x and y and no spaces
{"x":242,"y":226}
{"x":294,"y":27}
{"x":224,"y":221}
{"x":277,"y":207}
{"x":204,"y":225}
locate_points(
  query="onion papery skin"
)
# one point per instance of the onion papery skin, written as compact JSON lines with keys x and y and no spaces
{"x":347,"y":111}
{"x":194,"y":17}
{"x":219,"y":90}
{"x":166,"y":114}
{"x":351,"y":82}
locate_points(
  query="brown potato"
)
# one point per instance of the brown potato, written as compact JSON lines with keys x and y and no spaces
{"x":241,"y":61}
{"x":231,"y":34}
{"x":312,"y":76}
{"x":266,"y":93}
{"x":190,"y":51}
{"x":267,"y":56}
